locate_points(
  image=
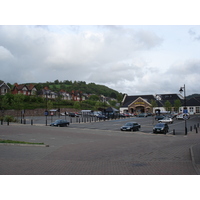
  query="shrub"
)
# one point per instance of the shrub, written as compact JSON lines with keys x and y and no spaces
{"x":9,"y":118}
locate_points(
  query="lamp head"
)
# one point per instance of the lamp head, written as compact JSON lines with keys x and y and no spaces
{"x":181,"y":90}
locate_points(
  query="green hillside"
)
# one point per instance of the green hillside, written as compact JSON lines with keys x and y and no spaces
{"x":90,"y":88}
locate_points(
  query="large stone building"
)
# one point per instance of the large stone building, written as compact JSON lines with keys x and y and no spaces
{"x":143,"y":103}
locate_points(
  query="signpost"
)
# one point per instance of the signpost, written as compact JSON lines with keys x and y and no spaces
{"x":46,"y":113}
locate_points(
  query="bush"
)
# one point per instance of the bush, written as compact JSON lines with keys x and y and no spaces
{"x":9,"y":118}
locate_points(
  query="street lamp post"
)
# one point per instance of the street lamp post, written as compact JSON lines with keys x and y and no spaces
{"x":46,"y":112}
{"x":182,"y":89}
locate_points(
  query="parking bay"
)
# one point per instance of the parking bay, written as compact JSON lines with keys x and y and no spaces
{"x":147,"y":124}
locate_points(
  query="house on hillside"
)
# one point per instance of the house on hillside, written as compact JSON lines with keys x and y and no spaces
{"x":143,"y":103}
{"x":65,"y":95}
{"x":76,"y":95}
{"x":24,"y":89}
{"x":4,"y":88}
{"x":47,"y":93}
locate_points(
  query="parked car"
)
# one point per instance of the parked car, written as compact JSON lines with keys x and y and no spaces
{"x":64,"y":114}
{"x":122,"y":115}
{"x":159,"y":117}
{"x":142,"y":115}
{"x":60,"y":122}
{"x":134,"y":126}
{"x":126,"y":115}
{"x":166,"y":120}
{"x":161,"y":128}
{"x":102,"y":117}
{"x":71,"y":114}
{"x":183,"y":116}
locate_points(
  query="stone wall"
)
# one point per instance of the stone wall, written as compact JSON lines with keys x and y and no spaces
{"x":35,"y":112}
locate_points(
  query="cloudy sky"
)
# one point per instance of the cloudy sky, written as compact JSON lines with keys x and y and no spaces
{"x":132,"y":59}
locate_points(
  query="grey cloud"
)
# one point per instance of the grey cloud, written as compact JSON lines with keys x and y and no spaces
{"x":109,"y":56}
{"x":194,"y":34}
{"x":191,"y":32}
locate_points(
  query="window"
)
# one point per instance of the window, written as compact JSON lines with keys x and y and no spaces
{"x":197,"y":109}
{"x":191,"y":109}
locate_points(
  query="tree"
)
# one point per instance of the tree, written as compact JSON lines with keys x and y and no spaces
{"x":4,"y":104}
{"x":153,"y":103}
{"x":97,"y":105}
{"x":49,"y":105}
{"x":77,"y":105}
{"x":94,"y":98}
{"x":18,"y":102}
{"x":168,"y":106}
{"x":177,"y":105}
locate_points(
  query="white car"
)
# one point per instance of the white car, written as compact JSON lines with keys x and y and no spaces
{"x":183,"y":116}
{"x":166,"y":120}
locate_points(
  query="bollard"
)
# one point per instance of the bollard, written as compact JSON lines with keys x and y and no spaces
{"x":196,"y":130}
{"x":31,"y":121}
{"x":173,"y":131}
{"x":24,"y":121}
{"x":2,"y":122}
{"x":8,"y":123}
{"x":191,"y":128}
{"x":195,"y":126}
{"x":185,"y":130}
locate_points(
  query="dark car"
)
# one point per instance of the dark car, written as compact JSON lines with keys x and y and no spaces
{"x":60,"y":122}
{"x":161,"y":128}
{"x":71,"y":114}
{"x":131,"y":126}
{"x":159,"y":117}
{"x":102,"y":117}
{"x":142,"y":115}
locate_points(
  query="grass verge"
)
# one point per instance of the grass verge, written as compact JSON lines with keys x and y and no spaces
{"x":18,"y":142}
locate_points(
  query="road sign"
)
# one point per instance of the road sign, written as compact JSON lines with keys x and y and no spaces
{"x":46,"y":113}
{"x":185,"y":116}
{"x":185,"y":111}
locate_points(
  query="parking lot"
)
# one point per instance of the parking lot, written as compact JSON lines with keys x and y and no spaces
{"x":97,"y":148}
{"x":147,"y":123}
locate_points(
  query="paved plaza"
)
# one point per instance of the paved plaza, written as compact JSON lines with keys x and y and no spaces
{"x":85,"y":150}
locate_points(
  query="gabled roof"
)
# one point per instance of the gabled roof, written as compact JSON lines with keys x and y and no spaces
{"x":21,"y":86}
{"x":3,"y":83}
{"x":129,"y":99}
{"x":169,"y":97}
{"x":159,"y":98}
{"x":195,"y":101}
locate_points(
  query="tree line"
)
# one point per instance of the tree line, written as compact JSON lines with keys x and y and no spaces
{"x":22,"y":102}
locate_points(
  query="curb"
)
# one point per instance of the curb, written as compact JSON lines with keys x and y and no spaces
{"x":194,"y":163}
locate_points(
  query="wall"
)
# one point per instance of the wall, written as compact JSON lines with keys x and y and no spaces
{"x":35,"y":112}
